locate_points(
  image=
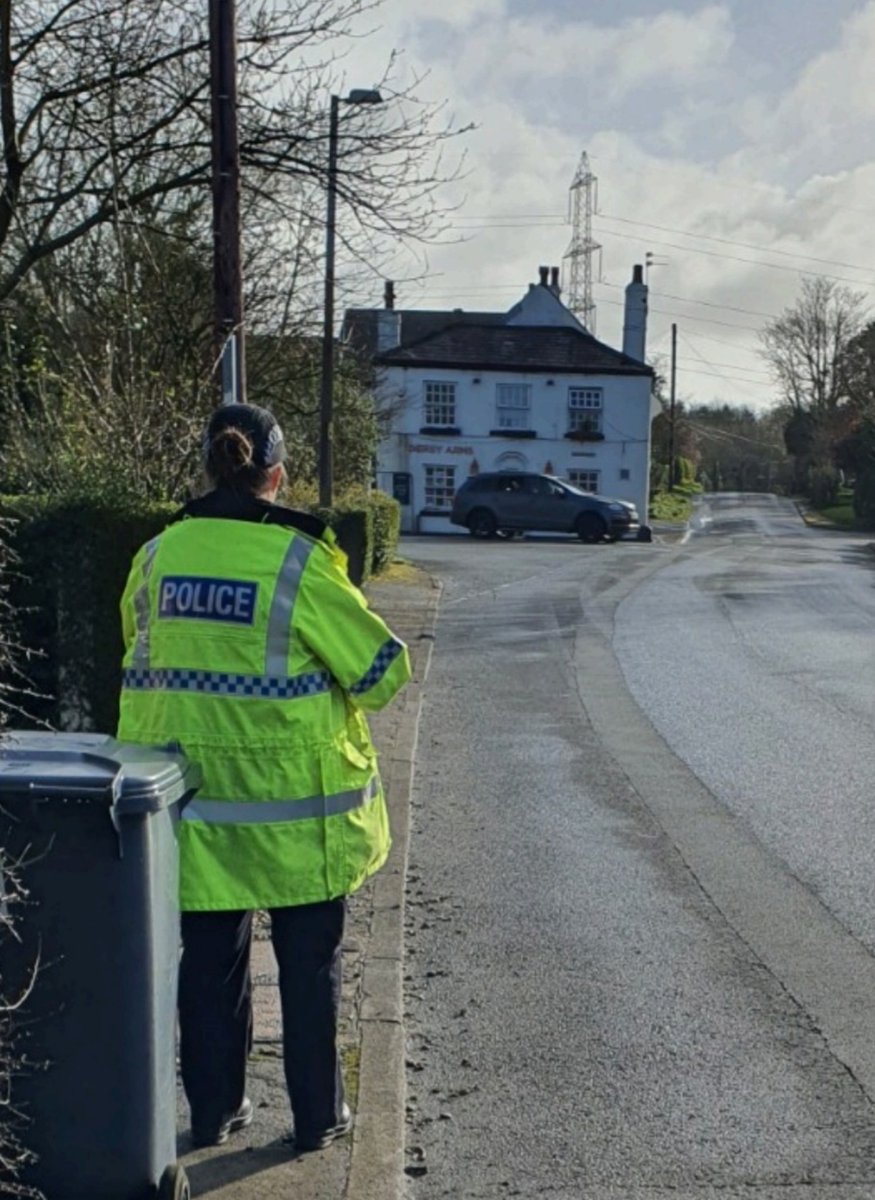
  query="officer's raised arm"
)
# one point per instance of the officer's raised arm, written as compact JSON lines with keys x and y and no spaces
{"x":358,"y":648}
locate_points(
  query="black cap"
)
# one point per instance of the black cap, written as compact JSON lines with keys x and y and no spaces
{"x":259,"y":425}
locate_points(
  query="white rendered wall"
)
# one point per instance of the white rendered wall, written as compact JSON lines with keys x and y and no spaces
{"x":626,"y":417}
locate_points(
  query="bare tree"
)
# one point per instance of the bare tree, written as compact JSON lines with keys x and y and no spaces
{"x":859,"y":372}
{"x":105,"y":230}
{"x":14,"y":1156}
{"x":104,"y":109}
{"x":106,"y":365}
{"x":805,"y":346}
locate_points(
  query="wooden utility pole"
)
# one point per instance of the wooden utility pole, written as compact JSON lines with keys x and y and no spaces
{"x":227,"y":271}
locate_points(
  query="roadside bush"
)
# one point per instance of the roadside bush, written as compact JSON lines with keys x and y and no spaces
{"x":864,"y":497}
{"x":823,"y":486}
{"x":675,"y":504}
{"x":670,"y":506}
{"x":387,"y":530}
{"x":367,"y":524}
{"x":74,"y":559}
{"x":353,"y":523}
{"x":685,"y":472}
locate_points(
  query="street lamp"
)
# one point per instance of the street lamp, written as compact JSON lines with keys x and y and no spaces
{"x":326,"y":396}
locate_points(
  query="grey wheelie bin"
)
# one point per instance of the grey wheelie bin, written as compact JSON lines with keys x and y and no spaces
{"x":92,"y":821}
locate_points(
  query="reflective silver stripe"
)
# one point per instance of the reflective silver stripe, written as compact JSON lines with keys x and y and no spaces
{"x":279,"y":623}
{"x":141,"y":608}
{"x":265,"y":812}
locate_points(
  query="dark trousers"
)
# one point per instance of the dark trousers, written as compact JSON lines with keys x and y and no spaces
{"x":215,"y":1011}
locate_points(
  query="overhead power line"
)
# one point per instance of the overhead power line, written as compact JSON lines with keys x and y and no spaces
{"x":709,"y":337}
{"x":743,"y":185}
{"x":518,"y":288}
{"x":751,"y":312}
{"x":752,"y":262}
{"x":552,"y":220}
{"x":739,"y":367}
{"x":708,"y":237}
{"x":717,"y":374}
{"x":684,"y":364}
{"x":710,"y":431}
{"x":487,"y":290}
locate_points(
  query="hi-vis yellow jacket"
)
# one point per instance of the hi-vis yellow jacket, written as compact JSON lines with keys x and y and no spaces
{"x":248,"y":646}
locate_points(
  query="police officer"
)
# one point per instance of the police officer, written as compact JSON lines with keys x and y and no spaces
{"x":247,"y":644}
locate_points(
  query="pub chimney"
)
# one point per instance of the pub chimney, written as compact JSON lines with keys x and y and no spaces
{"x":635,"y":316}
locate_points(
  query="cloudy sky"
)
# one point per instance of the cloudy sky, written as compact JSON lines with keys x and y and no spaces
{"x":735,"y":141}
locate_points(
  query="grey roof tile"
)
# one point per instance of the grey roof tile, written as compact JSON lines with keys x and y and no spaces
{"x":495,"y":346}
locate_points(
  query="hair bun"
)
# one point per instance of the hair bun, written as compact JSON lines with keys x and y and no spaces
{"x":231,"y":451}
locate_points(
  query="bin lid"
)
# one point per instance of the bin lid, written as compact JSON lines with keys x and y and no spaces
{"x":133,"y":779}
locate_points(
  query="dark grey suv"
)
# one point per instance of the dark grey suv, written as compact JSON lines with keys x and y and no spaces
{"x":508,"y":502}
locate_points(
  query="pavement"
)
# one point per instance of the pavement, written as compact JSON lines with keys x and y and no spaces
{"x":369,"y":1165}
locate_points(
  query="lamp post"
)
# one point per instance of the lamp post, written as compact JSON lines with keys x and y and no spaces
{"x":326,"y":394}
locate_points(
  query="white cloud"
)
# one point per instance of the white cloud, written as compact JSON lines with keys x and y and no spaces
{"x":822,"y":114}
{"x":793,"y":174}
{"x":495,"y":52}
{"x":460,"y":14}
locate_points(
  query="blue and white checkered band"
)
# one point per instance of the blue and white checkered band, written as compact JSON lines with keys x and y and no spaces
{"x":223,"y":683}
{"x":200,"y":598}
{"x":386,"y":655}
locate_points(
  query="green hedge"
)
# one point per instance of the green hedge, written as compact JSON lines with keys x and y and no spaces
{"x":368,"y":525}
{"x":353,"y":523}
{"x":387,"y":530}
{"x":73,"y":560}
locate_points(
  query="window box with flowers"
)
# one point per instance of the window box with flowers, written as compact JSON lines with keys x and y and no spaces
{"x":513,"y":433}
{"x":585,"y":435}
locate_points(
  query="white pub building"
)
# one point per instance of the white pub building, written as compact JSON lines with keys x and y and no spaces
{"x":527,"y":390}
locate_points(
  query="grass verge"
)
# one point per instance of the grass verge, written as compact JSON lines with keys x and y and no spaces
{"x":399,"y":571}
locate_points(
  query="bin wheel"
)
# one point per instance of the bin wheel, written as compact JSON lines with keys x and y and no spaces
{"x":174,"y":1184}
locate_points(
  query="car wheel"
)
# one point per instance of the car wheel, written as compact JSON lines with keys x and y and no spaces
{"x":481,"y":523}
{"x":591,"y":527}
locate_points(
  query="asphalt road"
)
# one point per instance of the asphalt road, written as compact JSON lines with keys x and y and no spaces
{"x":639,"y":923}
